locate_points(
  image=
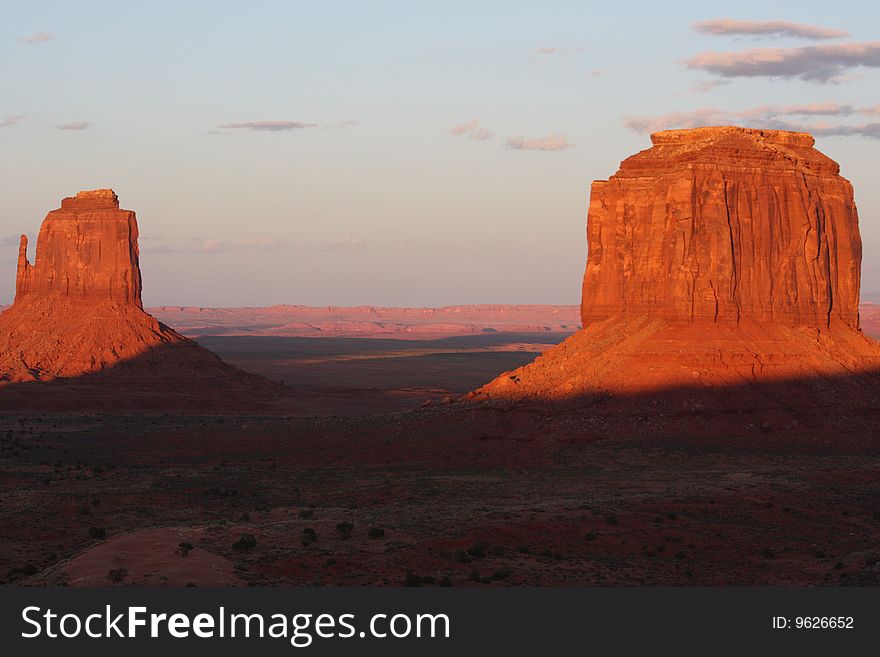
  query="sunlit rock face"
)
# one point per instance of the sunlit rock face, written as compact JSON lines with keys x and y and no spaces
{"x":87,"y":250}
{"x":724,"y":224}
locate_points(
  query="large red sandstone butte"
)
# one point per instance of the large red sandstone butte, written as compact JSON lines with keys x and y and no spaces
{"x":78,"y":310}
{"x":719,"y":256}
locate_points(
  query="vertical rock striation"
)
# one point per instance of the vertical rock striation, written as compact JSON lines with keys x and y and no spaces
{"x":87,"y":249}
{"x":724,"y":224}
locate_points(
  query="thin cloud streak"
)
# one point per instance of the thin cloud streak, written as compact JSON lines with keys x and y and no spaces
{"x":766,"y":117}
{"x":548,"y":143}
{"x":280,"y":126}
{"x":824,"y":63}
{"x":345,"y":244}
{"x":269,"y":126}
{"x":342,"y":124}
{"x":472,"y":130}
{"x":549,"y":50}
{"x":11,"y":119}
{"x":37,"y":39}
{"x":729,"y":26}
{"x":74,"y":125}
{"x":11,"y":241}
{"x":704,"y":86}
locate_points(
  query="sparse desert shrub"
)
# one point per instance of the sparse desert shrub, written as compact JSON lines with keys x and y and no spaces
{"x":245,"y":543}
{"x":184,"y":548}
{"x":838,"y":565}
{"x":221,"y":491}
{"x":504,"y":573}
{"x":611,"y":518}
{"x":97,"y":532}
{"x":376,"y":532}
{"x":462,"y":557}
{"x":309,"y":536}
{"x":345,"y":529}
{"x":22,"y":571}
{"x":767,"y":553}
{"x":305,"y":514}
{"x":591,"y":536}
{"x":478,"y":550}
{"x":116,"y":575}
{"x":417,"y":580}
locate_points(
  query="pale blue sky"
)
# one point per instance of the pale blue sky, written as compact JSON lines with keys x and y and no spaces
{"x":380,"y":202}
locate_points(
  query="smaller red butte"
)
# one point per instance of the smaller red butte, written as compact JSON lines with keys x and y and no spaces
{"x":78,"y":311}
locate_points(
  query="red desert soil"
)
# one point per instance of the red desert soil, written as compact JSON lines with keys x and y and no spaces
{"x":169,"y":556}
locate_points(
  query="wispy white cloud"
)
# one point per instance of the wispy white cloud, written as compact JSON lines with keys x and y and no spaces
{"x":729,"y":26}
{"x":771,"y":117}
{"x":279,"y":126}
{"x":269,"y":126}
{"x":823,"y":63}
{"x":472,"y":130}
{"x":37,"y":39}
{"x":74,"y":125}
{"x":346,"y":243}
{"x":11,"y":119}
{"x":548,"y":143}
{"x":550,"y":50}
{"x":10,"y":241}
{"x":702,"y":86}
{"x":342,"y":124}
{"x":596,"y":72}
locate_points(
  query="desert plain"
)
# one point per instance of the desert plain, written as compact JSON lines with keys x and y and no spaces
{"x":707,"y":416}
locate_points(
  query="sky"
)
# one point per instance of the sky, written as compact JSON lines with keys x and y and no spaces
{"x":399,"y":153}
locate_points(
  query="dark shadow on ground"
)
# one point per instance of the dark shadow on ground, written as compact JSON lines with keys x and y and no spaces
{"x":676,"y":487}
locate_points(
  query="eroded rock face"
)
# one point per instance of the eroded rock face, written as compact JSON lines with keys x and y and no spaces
{"x":724,"y":224}
{"x":87,"y":249}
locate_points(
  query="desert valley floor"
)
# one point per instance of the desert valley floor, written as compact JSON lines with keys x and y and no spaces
{"x":374,"y":476}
